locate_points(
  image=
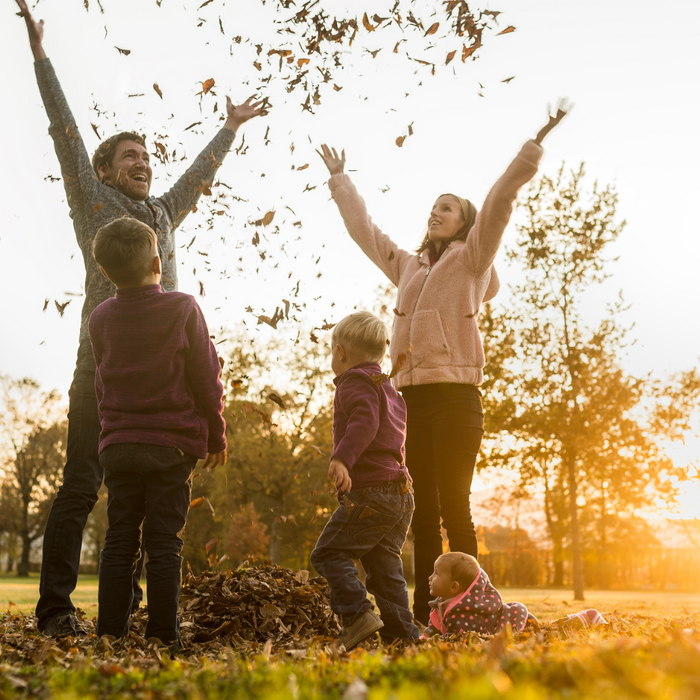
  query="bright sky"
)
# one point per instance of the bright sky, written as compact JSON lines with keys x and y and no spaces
{"x":629,"y":67}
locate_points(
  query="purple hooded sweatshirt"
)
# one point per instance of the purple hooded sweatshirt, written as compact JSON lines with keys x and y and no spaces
{"x":479,"y":609}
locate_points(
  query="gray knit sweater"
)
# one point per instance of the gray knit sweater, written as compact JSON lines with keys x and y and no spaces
{"x":94,"y":204}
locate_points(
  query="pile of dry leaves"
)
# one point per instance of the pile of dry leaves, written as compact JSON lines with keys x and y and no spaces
{"x":245,"y":609}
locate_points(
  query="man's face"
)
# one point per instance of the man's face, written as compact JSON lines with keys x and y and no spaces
{"x":130,"y":170}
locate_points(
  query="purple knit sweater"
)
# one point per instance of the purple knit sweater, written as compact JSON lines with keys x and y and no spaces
{"x":157,"y":379}
{"x":369,"y":426}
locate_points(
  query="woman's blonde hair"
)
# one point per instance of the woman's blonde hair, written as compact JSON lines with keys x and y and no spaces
{"x":363,"y":333}
{"x":469,"y":213}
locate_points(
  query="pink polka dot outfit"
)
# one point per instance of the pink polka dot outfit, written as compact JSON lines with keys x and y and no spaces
{"x":479,"y":609}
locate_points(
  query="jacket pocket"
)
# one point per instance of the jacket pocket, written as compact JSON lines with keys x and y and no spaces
{"x":430,"y":347}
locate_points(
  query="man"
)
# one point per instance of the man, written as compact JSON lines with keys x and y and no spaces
{"x":116,"y":183}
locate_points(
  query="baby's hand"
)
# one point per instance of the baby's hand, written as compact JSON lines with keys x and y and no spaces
{"x":339,"y":473}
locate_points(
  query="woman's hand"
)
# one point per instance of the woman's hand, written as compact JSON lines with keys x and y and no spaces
{"x":563,"y":107}
{"x":34,"y":29}
{"x":330,"y":157}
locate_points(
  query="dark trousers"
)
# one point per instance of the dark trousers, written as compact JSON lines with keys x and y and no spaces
{"x":76,"y":497}
{"x":370,"y":525}
{"x":149,"y":491}
{"x":444,"y":429}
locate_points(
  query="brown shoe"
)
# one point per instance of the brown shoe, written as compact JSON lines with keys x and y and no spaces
{"x":365,"y":625}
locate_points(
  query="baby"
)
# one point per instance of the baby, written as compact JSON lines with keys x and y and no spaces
{"x":467,"y":601}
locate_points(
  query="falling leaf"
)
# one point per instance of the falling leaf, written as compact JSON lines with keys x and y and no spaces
{"x":432,"y":29}
{"x":211,"y":543}
{"x":276,"y":398}
{"x":193,"y":124}
{"x":202,"y":293}
{"x":97,"y":207}
{"x":97,"y":133}
{"x":507,"y":30}
{"x":303,"y":62}
{"x":257,"y":65}
{"x":157,"y":89}
{"x":204,"y":4}
{"x":507,"y":80}
{"x":450,"y":56}
{"x":46,"y":304}
{"x":303,"y":167}
{"x":398,"y":313}
{"x":207,"y":85}
{"x":466,"y":52}
{"x":197,"y":502}
{"x":367,"y":24}
{"x":379,"y":379}
{"x":400,"y":140}
{"x":62,"y":307}
{"x":236,"y":383}
{"x":398,"y":365}
{"x":124,"y":52}
{"x":267,"y":219}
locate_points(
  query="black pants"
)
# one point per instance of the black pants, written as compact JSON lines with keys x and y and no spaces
{"x":76,"y":497}
{"x":149,"y":490}
{"x":444,"y":430}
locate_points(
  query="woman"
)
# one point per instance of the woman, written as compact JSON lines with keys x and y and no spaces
{"x":436,"y":348}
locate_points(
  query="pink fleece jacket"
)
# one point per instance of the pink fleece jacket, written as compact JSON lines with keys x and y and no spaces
{"x":436,"y":324}
{"x":479,"y":609}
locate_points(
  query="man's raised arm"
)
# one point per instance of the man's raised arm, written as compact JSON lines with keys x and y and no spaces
{"x":76,"y":167}
{"x":182,"y":197}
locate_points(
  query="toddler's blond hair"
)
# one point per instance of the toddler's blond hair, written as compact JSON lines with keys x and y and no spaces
{"x":362,"y":333}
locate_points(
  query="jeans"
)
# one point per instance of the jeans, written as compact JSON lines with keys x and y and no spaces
{"x":445,"y":425}
{"x":149,"y":491}
{"x":76,"y":497}
{"x":370,"y":525}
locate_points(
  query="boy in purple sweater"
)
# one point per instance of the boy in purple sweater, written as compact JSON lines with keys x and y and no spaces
{"x":374,"y":488}
{"x":160,"y":402}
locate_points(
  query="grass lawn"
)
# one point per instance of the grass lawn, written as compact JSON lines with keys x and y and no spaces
{"x":545,"y":603}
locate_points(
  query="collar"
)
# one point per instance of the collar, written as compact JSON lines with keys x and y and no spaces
{"x":362,"y":365}
{"x":137,"y":293}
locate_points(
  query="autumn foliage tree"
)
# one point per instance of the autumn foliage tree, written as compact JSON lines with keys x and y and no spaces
{"x":575,"y":425}
{"x":33,"y":438}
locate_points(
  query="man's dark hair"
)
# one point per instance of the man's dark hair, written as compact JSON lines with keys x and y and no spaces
{"x":124,"y":250}
{"x":105,"y":151}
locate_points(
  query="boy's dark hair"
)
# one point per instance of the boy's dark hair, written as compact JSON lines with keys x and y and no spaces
{"x":105,"y":151}
{"x":124,"y":250}
{"x":464,"y":568}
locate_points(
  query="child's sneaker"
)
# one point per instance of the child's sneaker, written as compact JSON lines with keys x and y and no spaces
{"x":364,"y":626}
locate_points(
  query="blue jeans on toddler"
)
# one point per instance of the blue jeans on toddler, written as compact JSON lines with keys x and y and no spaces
{"x":370,"y":525}
{"x":148,"y":485}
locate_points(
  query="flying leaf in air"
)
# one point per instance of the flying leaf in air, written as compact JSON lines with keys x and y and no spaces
{"x":276,"y":398}
{"x":450,"y":56}
{"x":267,"y":219}
{"x":398,"y":365}
{"x":157,"y":89}
{"x":467,"y":52}
{"x":197,"y":502}
{"x":97,"y":133}
{"x":62,"y":307}
{"x":207,"y":85}
{"x":507,"y":80}
{"x":400,"y":140}
{"x":204,"y":4}
{"x":46,"y":304}
{"x":367,"y":24}
{"x":432,"y":29}
{"x":507,"y":30}
{"x":124,"y":52}
{"x":236,"y":383}
{"x":303,"y":62}
{"x":303,"y":167}
{"x":193,"y":124}
{"x":211,"y":543}
{"x":398,"y":313}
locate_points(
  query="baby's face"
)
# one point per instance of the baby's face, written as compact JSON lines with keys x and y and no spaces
{"x":441,"y":580}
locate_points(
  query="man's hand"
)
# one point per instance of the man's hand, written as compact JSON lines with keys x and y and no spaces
{"x":340,"y":475}
{"x":34,"y":29}
{"x":562,"y":109}
{"x":214,"y":459}
{"x":239,"y":114}
{"x":330,"y":157}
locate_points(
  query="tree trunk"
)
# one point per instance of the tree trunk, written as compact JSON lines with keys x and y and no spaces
{"x":275,"y":542}
{"x":575,"y":541}
{"x":23,"y":566}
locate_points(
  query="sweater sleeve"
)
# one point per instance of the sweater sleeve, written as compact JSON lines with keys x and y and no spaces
{"x":203,"y":374}
{"x":484,"y":239}
{"x":96,"y":342}
{"x":378,"y":247}
{"x":360,"y":403}
{"x":79,"y":179}
{"x":182,"y":197}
